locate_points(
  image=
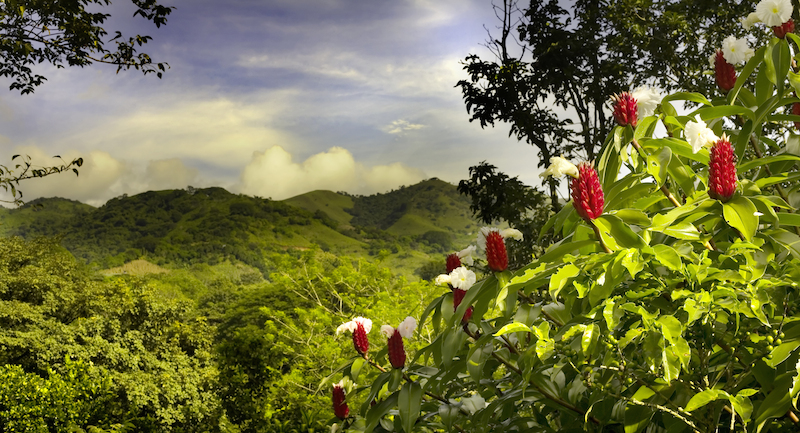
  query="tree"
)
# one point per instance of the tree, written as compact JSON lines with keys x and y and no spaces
{"x":64,"y":32}
{"x":654,"y":313}
{"x":555,"y":67}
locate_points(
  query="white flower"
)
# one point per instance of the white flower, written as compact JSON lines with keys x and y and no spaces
{"x":351,"y":325}
{"x":407,"y":327}
{"x":387,"y":330}
{"x":698,"y":134}
{"x":647,"y":99}
{"x":511,"y":233}
{"x":473,"y":403}
{"x":751,"y":19}
{"x":712,"y":60}
{"x":462,"y":278}
{"x":559,"y":167}
{"x":442,"y":280}
{"x":736,"y":50}
{"x":465,"y":255}
{"x":774,"y":12}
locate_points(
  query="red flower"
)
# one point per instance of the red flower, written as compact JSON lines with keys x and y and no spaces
{"x":453,"y":262}
{"x":625,"y":109}
{"x":781,"y":30}
{"x":587,"y":194}
{"x":722,"y":171}
{"x":340,"y":408}
{"x":724,"y":72}
{"x":458,"y":296}
{"x":360,"y":339}
{"x":397,"y":353}
{"x":796,"y":111}
{"x":496,"y":254}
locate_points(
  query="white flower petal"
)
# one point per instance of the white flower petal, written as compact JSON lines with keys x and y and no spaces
{"x":387,"y":330}
{"x":774,"y":12}
{"x":462,"y":278}
{"x":511,"y":233}
{"x":407,"y":327}
{"x":366,"y":323}
{"x":747,"y":23}
{"x":698,"y":134}
{"x":482,"y":237}
{"x":647,"y":99}
{"x":465,"y":255}
{"x":559,"y":167}
{"x":442,"y":280}
{"x":736,"y":51}
{"x":348,"y":326}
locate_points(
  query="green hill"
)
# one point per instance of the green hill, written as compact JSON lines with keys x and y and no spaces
{"x":405,"y":229}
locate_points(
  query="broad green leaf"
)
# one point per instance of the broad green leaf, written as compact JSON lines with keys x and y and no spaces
{"x":617,"y":233}
{"x":667,"y":256}
{"x":513,"y":327}
{"x":633,"y":216}
{"x":637,"y":418}
{"x":790,"y":241}
{"x":679,"y":147}
{"x":589,"y":339}
{"x":686,"y":96}
{"x":375,"y":413}
{"x":632,"y":261}
{"x":658,"y":163}
{"x":739,"y":213}
{"x":789,"y":219}
{"x":561,"y":278}
{"x":408,"y":403}
{"x":395,"y":379}
{"x":743,"y":407}
{"x":703,"y":398}
{"x":781,"y":352}
{"x":682,"y":230}
{"x":711,"y":113}
{"x":760,"y":162}
{"x":775,"y":405}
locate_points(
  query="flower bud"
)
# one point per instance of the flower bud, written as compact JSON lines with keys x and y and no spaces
{"x":625,"y":109}
{"x":397,"y":353}
{"x":458,"y":296}
{"x":360,"y":339}
{"x":340,"y":408}
{"x":453,"y":262}
{"x":724,"y":72}
{"x":796,"y":111}
{"x":781,"y":30}
{"x":722,"y":171}
{"x":496,"y":255}
{"x":587,"y":194}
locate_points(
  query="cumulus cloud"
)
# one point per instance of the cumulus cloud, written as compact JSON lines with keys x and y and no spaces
{"x":400,"y":126}
{"x":169,"y":174}
{"x":273,"y":173}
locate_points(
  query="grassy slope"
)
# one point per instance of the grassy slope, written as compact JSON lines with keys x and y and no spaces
{"x":331,"y":203}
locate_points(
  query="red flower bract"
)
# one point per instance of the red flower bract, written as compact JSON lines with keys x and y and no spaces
{"x":340,"y":408}
{"x":397,"y":353}
{"x":587,"y":194}
{"x":360,"y":339}
{"x":722,"y":171}
{"x":453,"y":262}
{"x":781,"y":30}
{"x":496,"y":255}
{"x":458,"y":296}
{"x":796,"y":111}
{"x":724,"y":72}
{"x":625,"y":109}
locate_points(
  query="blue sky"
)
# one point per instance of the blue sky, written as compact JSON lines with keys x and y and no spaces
{"x":270,"y":98}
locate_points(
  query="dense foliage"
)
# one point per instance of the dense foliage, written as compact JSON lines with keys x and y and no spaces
{"x":669,"y":305}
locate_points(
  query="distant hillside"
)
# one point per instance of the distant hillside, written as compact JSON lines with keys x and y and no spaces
{"x":405,"y":228}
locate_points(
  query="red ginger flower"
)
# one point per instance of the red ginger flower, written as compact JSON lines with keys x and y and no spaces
{"x":587,"y":194}
{"x":625,"y":109}
{"x":781,"y":30}
{"x":796,"y":111}
{"x":722,"y":171}
{"x":453,"y":262}
{"x":496,"y":255}
{"x":340,"y":408}
{"x":724,"y":72}
{"x":360,"y":327}
{"x":397,"y":353}
{"x":458,"y":296}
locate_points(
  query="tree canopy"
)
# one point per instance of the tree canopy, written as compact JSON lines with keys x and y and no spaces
{"x":72,"y":33}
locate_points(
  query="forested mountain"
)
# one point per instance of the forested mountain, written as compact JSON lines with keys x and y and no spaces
{"x":403,"y":228}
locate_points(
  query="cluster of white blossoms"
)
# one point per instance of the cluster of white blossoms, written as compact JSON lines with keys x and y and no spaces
{"x":406,"y":328}
{"x":461,"y":278}
{"x":647,"y":99}
{"x":698,"y":134}
{"x":351,"y":325}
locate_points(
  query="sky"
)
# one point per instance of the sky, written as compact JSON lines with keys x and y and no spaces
{"x":270,"y":98}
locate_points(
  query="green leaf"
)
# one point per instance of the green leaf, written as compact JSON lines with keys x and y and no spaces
{"x":589,"y":339}
{"x":775,"y":405}
{"x":667,"y":256}
{"x":703,"y":398}
{"x":781,"y":352}
{"x":789,"y":219}
{"x":395,"y":379}
{"x":513,"y":327}
{"x":375,"y":413}
{"x":760,"y":162}
{"x":633,"y":216}
{"x":711,"y":113}
{"x":561,"y":278}
{"x":409,"y":402}
{"x":686,"y":96}
{"x":682,"y":230}
{"x":657,"y":165}
{"x":616,"y":234}
{"x":739,"y":213}
{"x":637,"y":418}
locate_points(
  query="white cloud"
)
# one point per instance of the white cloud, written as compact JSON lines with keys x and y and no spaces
{"x":400,"y":126}
{"x":273,"y":173}
{"x":169,"y":174}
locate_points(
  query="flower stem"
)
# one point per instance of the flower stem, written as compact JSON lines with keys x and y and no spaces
{"x":600,"y":238}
